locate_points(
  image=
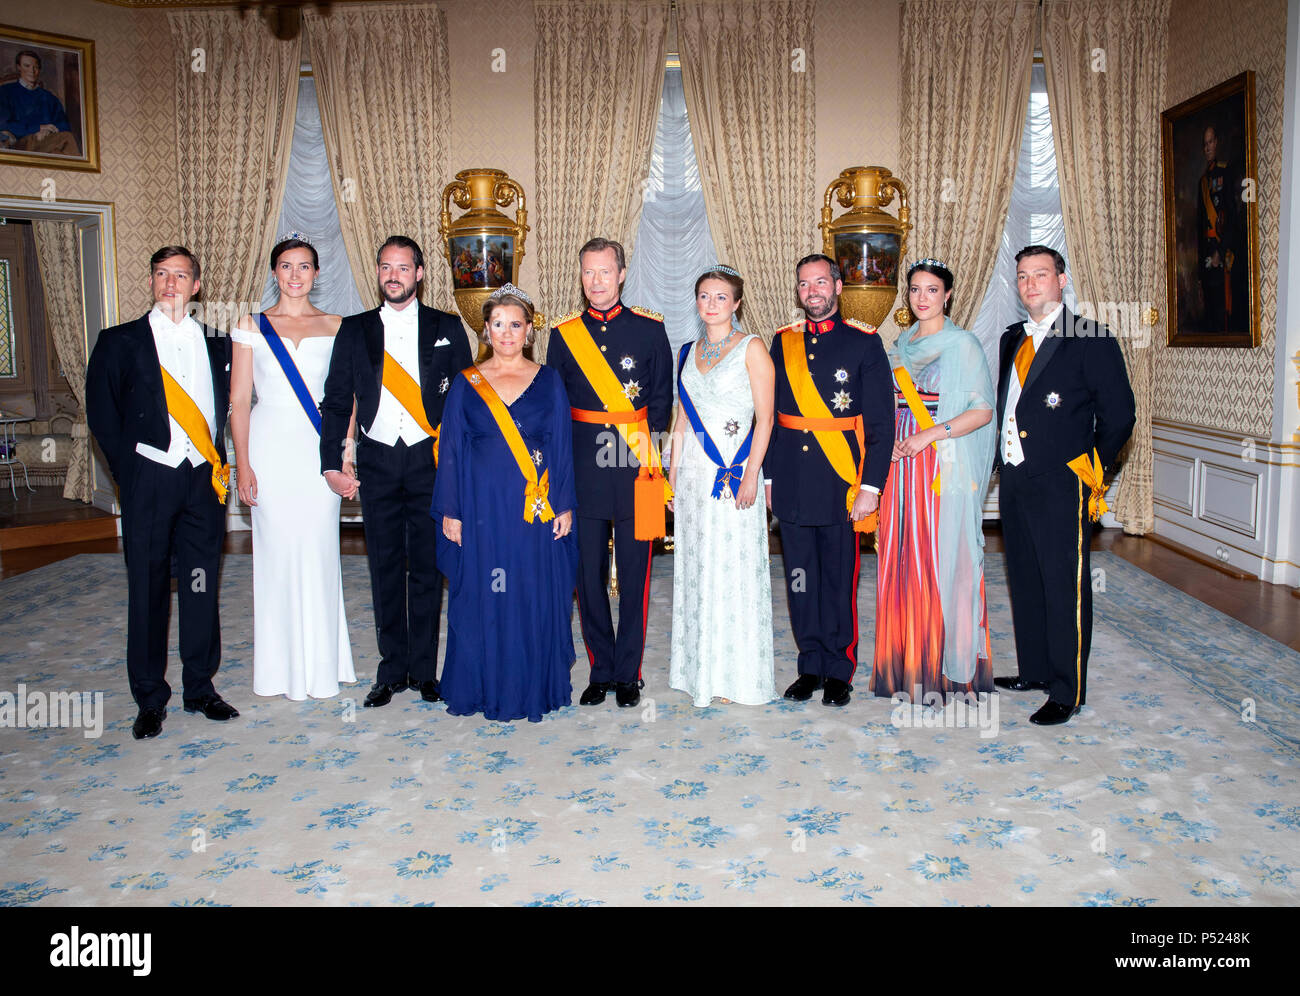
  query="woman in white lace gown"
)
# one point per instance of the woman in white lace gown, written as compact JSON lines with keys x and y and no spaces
{"x":300,"y":633}
{"x":722,"y":584}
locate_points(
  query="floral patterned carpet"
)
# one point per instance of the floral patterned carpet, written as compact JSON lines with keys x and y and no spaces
{"x":1177,"y":785}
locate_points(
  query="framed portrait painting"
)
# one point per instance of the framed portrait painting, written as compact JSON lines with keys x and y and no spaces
{"x":1211,"y":240}
{"x":47,"y":100}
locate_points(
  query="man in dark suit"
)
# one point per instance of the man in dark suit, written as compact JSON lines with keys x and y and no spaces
{"x":846,"y":375}
{"x":635,"y":347}
{"x":157,"y":392}
{"x":395,"y":364}
{"x":1062,"y":392}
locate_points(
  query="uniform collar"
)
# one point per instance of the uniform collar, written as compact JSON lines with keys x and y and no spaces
{"x":822,"y":327}
{"x":605,"y":316}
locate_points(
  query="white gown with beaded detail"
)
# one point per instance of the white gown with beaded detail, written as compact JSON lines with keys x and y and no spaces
{"x":300,"y":633}
{"x":722,"y":582}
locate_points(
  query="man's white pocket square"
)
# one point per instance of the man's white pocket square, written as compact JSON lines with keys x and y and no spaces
{"x":442,"y":342}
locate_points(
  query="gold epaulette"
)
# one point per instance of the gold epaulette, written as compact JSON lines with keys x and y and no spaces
{"x":646,"y":312}
{"x":557,"y":322}
{"x":792,"y":327}
{"x":860,"y":325}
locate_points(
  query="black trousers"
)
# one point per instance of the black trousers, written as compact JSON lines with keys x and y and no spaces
{"x":171,"y":515}
{"x":396,"y":494}
{"x":1047,"y":531}
{"x":821,"y":583}
{"x":613,"y":657}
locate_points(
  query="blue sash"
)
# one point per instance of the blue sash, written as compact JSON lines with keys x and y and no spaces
{"x":290,"y":371}
{"x":728,"y":477}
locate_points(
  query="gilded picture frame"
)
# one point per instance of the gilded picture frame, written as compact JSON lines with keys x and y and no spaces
{"x":1211,"y":224}
{"x":48,"y":115}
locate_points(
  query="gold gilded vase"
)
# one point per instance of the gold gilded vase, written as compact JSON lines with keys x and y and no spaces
{"x":866,"y":242}
{"x":484,"y":248}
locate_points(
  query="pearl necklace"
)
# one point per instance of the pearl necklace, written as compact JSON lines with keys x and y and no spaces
{"x":712,"y":352}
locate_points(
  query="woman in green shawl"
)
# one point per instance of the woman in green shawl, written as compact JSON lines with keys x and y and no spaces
{"x":931,"y":621}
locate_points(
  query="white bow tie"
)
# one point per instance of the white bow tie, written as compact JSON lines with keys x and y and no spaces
{"x":1037,"y":328}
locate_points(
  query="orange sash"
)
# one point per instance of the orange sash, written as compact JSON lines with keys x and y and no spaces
{"x":402,"y":386}
{"x":1090,"y":473}
{"x":182,"y":408}
{"x":536,"y":492}
{"x":826,"y":428}
{"x":651,"y":491}
{"x":919,"y":411}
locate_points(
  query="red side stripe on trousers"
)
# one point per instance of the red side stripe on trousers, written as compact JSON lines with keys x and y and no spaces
{"x":645,"y":607}
{"x":852,"y":652}
{"x":586,"y":644}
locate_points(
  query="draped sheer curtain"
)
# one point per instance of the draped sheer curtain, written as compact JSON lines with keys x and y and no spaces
{"x":1108,"y":150}
{"x":234,"y":128}
{"x":1033,"y":218}
{"x":384,"y":95}
{"x":749,"y":91}
{"x":59,"y":252}
{"x":597,"y":91}
{"x":310,"y":209}
{"x":965,"y":86}
{"x":673,"y":244}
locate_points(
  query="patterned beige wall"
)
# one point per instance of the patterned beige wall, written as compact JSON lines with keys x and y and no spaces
{"x":1231,"y":389}
{"x":856,"y":62}
{"x":137,"y":133}
{"x":492,"y":99}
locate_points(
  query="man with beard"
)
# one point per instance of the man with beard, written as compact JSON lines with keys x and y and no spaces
{"x":395,"y":364}
{"x":825,"y":469}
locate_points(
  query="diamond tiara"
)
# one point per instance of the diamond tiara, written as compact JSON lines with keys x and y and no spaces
{"x":510,"y":289}
{"x":297,"y":236}
{"x":722,"y":268}
{"x":928,"y":261}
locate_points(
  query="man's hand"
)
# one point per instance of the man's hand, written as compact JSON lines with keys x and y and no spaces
{"x":767,"y":491}
{"x":563,"y":524}
{"x":341,"y":484}
{"x":864,"y":504}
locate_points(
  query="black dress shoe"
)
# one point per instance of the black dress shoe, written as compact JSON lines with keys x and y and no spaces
{"x":1015,"y":683}
{"x":804,"y":686}
{"x":1053,"y":714}
{"x":627,"y":693}
{"x":148,"y":723}
{"x":430,"y":691}
{"x":595,"y":693}
{"x":836,"y":692}
{"x":213,"y":706}
{"x":381,"y":694}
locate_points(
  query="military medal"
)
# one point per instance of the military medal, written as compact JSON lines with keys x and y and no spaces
{"x":1053,"y":400}
{"x":733,"y":427}
{"x":537,"y":457}
{"x":627,"y":363}
{"x":841,"y":376}
{"x":442,"y":387}
{"x":632,"y":389}
{"x":841,"y":401}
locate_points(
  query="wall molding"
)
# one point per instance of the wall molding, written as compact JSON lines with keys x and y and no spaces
{"x":1219,"y":493}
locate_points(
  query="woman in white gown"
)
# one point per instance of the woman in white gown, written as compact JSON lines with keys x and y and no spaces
{"x":722,"y":584}
{"x":300,"y":633}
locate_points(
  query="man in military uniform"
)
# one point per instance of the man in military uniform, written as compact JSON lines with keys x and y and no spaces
{"x":825,"y":469}
{"x":1219,"y":242}
{"x":633,"y":345}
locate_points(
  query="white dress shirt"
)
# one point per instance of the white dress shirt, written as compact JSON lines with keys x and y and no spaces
{"x":402,"y":342}
{"x":1012,"y":452}
{"x":183,"y":354}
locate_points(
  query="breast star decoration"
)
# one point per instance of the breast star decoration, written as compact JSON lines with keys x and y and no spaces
{"x":841,"y":401}
{"x":627,"y":363}
{"x":841,"y":376}
{"x":537,"y":457}
{"x":1053,"y":400}
{"x":442,"y":387}
{"x":733,"y":427}
{"x":632,"y":390}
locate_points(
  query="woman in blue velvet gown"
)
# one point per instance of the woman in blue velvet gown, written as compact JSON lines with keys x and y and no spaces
{"x":505,"y":495}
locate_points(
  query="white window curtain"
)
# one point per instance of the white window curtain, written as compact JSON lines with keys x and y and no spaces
{"x":673,"y":244}
{"x":309,"y":208}
{"x":1033,"y":218}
